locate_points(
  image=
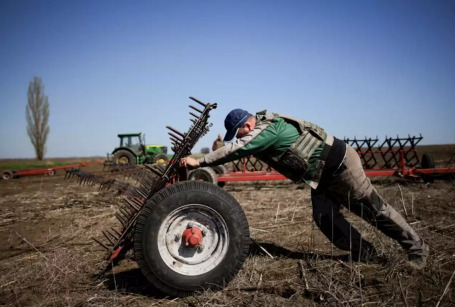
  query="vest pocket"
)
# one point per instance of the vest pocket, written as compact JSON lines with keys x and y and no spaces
{"x":292,"y":165}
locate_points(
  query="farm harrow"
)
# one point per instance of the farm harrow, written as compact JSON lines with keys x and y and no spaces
{"x":187,"y":236}
{"x":391,"y":153}
{"x":393,"y":157}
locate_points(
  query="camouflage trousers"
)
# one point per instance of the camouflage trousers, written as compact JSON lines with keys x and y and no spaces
{"x":350,"y":187}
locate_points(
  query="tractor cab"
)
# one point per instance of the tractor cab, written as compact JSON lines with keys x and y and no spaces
{"x":133,"y":141}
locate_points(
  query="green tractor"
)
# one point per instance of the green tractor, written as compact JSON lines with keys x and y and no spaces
{"x":132,"y":150}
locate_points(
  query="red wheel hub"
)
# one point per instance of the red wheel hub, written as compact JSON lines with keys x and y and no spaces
{"x":192,"y":237}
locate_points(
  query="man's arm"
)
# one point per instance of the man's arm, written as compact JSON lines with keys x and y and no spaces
{"x":259,"y":139}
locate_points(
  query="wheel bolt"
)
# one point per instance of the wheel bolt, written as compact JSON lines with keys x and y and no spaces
{"x":190,"y":224}
{"x":204,"y":231}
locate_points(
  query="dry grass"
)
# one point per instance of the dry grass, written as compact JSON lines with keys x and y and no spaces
{"x":48,"y":258}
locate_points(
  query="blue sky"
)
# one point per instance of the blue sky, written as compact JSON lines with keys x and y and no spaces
{"x":356,"y":68}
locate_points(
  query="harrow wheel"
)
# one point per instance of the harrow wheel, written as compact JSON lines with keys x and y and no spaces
{"x":191,"y":236}
{"x":7,"y":175}
{"x":220,"y":170}
{"x":203,"y":174}
{"x":427,"y":161}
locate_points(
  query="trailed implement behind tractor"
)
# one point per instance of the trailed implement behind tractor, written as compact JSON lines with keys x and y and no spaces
{"x":187,"y":236}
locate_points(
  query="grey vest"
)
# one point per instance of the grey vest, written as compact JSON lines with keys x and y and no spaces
{"x":294,"y":163}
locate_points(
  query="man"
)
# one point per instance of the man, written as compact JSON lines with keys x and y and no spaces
{"x":218,"y":143}
{"x":303,"y":152}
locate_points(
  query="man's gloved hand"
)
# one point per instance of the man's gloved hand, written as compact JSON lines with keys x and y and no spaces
{"x":191,"y":163}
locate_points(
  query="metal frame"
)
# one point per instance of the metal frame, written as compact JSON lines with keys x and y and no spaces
{"x":49,"y":170}
{"x":394,"y":157}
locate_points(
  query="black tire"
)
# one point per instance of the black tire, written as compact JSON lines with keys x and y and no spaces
{"x":160,"y":158}
{"x":124,"y":157}
{"x":427,"y":161}
{"x":7,"y":175}
{"x":167,"y":263}
{"x":220,"y":170}
{"x":203,"y":174}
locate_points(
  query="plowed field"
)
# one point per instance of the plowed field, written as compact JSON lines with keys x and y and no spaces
{"x":47,"y":256}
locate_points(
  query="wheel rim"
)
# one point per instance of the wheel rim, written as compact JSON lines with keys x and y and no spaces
{"x":123,"y":160}
{"x":203,"y":177}
{"x":161,"y":161}
{"x":193,"y":260}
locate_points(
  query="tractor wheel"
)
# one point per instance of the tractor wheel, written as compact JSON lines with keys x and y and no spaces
{"x":124,"y":157}
{"x":190,"y":237}
{"x":203,"y":174}
{"x":7,"y":175}
{"x":160,"y":158}
{"x":427,"y":162}
{"x":220,"y":170}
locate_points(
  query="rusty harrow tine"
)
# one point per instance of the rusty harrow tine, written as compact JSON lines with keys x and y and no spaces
{"x":125,"y":213}
{"x":113,"y":235}
{"x":144,"y":187}
{"x":196,"y":109}
{"x":116,"y":231}
{"x":148,"y":180}
{"x":176,"y":131}
{"x":136,"y":172}
{"x":131,"y":204}
{"x":108,"y":238}
{"x":137,"y":202}
{"x":142,"y":192}
{"x":154,"y":170}
{"x":69,"y":173}
{"x":133,"y":193}
{"x":121,"y":219}
{"x":107,"y":184}
{"x":120,"y":186}
{"x":127,"y":208}
{"x":145,"y":181}
{"x":198,"y":101}
{"x":176,"y":142}
{"x":133,"y":207}
{"x":197,"y":117}
{"x":176,"y":137}
{"x":100,"y":243}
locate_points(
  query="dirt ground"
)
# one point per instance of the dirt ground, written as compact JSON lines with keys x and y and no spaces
{"x":47,"y":256}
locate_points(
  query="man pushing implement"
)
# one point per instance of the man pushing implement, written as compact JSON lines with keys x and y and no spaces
{"x":303,"y":152}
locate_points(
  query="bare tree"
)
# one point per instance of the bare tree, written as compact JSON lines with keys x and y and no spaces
{"x":37,"y":112}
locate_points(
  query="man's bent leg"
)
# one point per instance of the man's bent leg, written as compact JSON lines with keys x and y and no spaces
{"x":332,"y":223}
{"x":365,"y":201}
